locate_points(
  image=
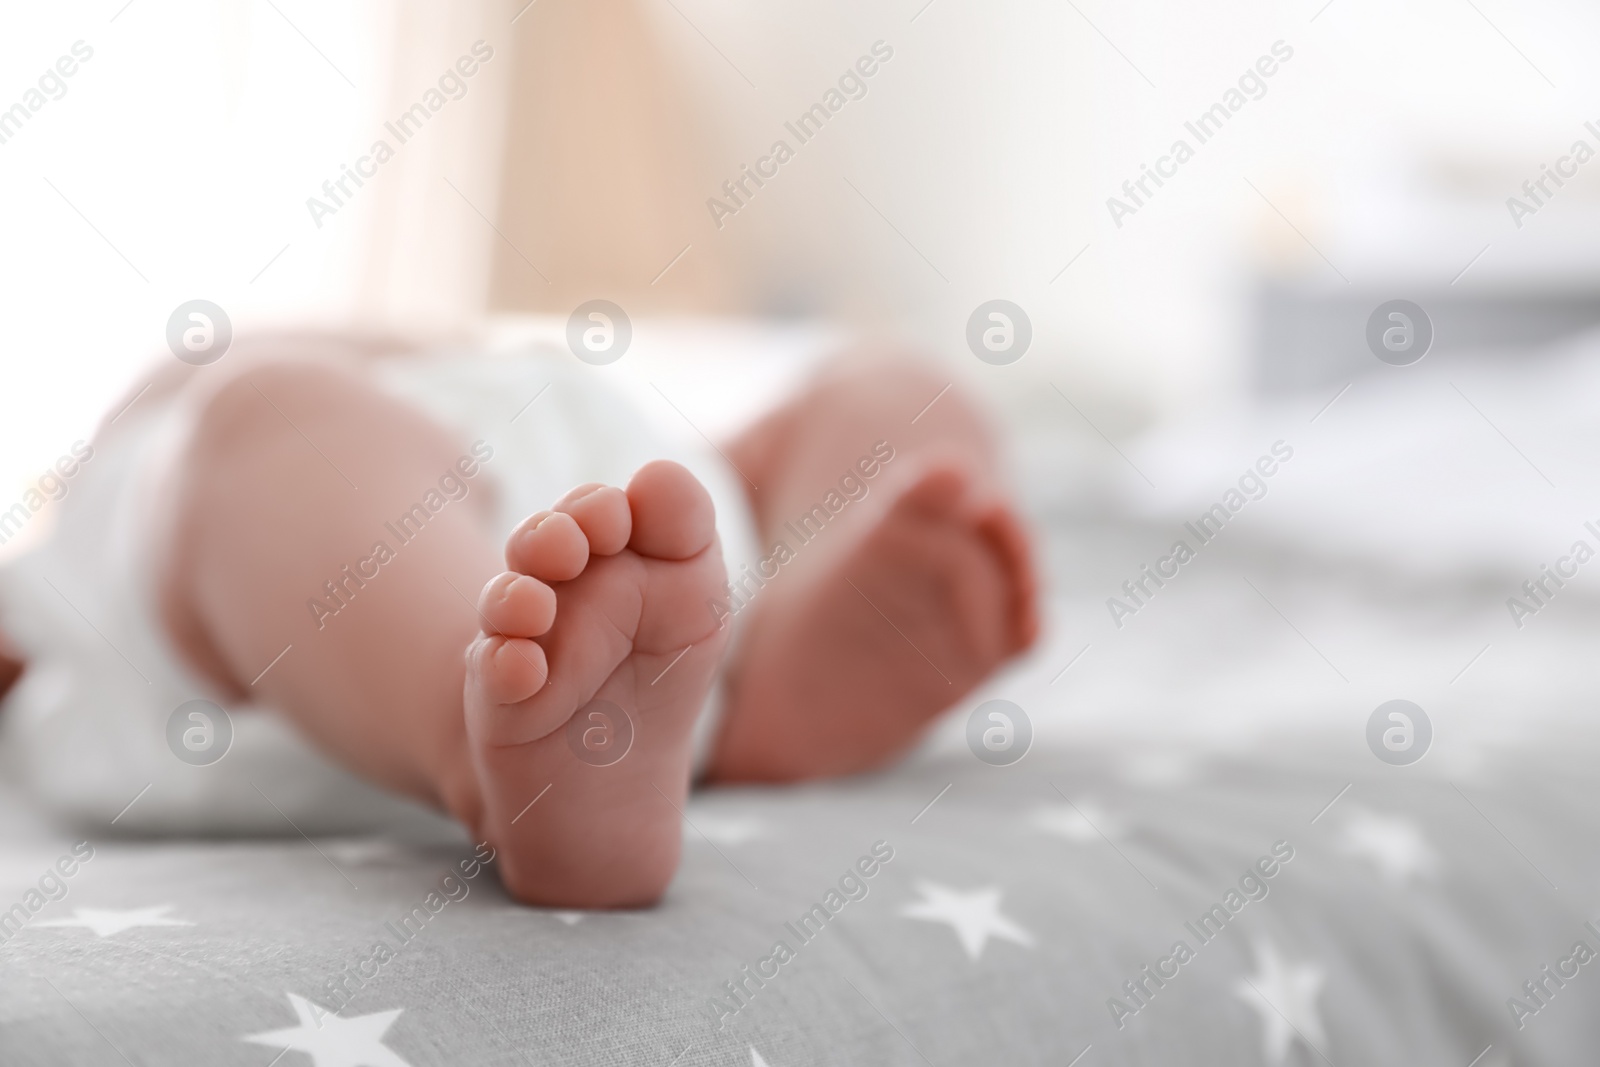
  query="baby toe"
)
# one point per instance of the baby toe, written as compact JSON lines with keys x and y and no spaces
{"x":516,"y":605}
{"x":549,"y":545}
{"x":673,"y":517}
{"x":507,"y":670}
{"x":602,"y":512}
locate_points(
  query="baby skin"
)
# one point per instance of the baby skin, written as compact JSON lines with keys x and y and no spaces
{"x":594,"y":617}
{"x":605,"y":601}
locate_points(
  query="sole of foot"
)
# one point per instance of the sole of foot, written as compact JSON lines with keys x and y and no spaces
{"x":598,"y":649}
{"x":843,"y":667}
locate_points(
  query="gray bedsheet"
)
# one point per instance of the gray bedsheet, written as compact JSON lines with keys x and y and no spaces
{"x":1330,"y":908}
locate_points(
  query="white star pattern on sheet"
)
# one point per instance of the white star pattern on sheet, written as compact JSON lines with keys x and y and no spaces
{"x":724,"y":829}
{"x":566,"y":918}
{"x":107,"y":921}
{"x":974,"y":916}
{"x":332,"y":1041}
{"x":1394,"y":845}
{"x":1285,"y":995}
{"x":1082,"y":825}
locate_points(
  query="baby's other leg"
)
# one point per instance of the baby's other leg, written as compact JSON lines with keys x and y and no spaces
{"x":907,"y":597}
{"x":798,"y":452}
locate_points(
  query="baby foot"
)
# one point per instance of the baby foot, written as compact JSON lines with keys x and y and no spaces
{"x":843,"y":666}
{"x":601,"y":614}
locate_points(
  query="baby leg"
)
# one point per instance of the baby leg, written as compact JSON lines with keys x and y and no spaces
{"x":443,"y":674}
{"x":291,"y":477}
{"x":907,"y":599}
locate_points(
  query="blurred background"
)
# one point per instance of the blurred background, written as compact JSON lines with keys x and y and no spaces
{"x":978,"y":165}
{"x":1171,"y":346}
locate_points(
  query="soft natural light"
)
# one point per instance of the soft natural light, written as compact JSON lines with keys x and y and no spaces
{"x":175,"y":166}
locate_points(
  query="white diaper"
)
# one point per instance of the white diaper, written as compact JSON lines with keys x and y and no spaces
{"x":85,"y":731}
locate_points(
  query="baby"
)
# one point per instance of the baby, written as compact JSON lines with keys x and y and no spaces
{"x":345,"y":535}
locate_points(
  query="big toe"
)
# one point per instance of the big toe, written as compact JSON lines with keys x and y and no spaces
{"x":673,"y":517}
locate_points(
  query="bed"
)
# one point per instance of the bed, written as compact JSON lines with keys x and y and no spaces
{"x":1203,"y":858}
